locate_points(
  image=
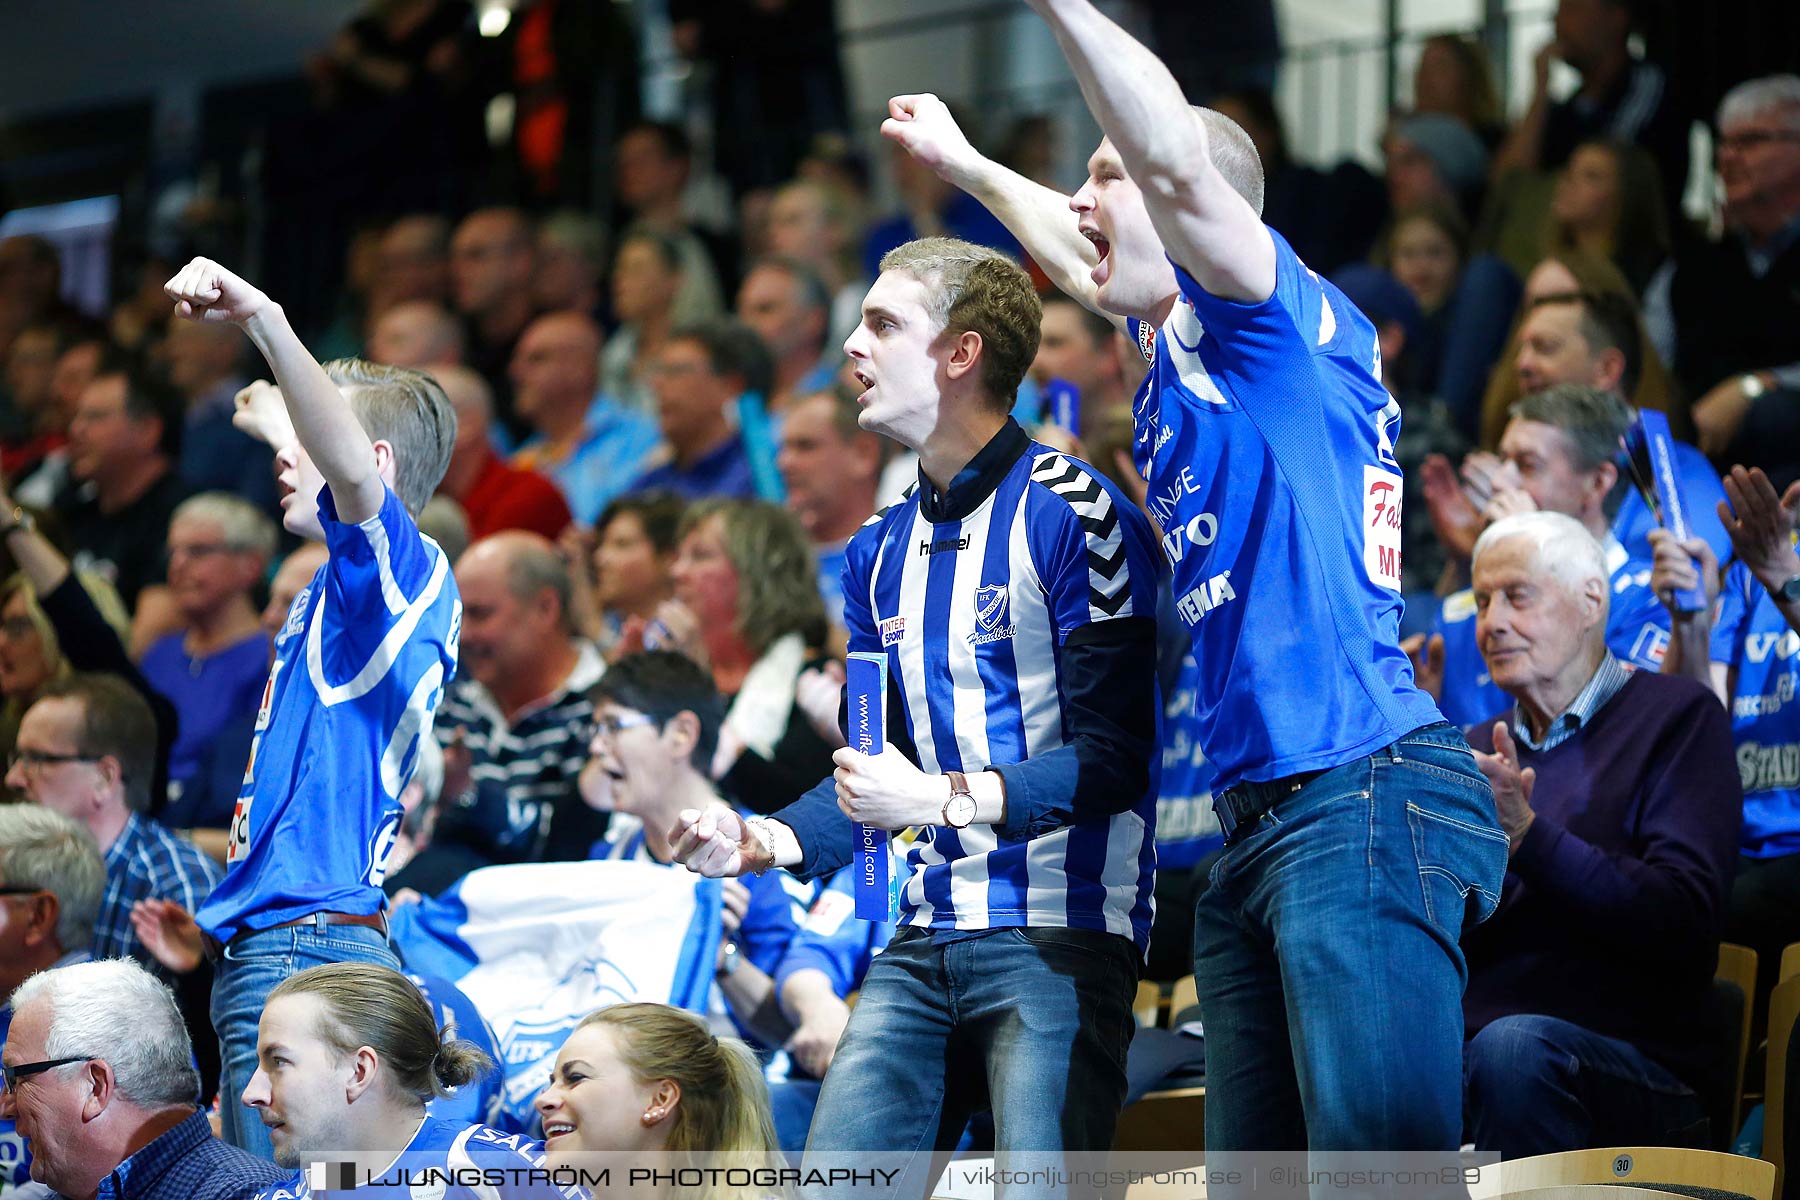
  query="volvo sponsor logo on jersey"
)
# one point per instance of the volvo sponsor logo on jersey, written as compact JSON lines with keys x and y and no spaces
{"x":928,"y":548}
{"x":1203,"y":599}
{"x":892,"y":630}
{"x":992,"y":615}
{"x":1784,"y":645}
{"x":1201,"y":530}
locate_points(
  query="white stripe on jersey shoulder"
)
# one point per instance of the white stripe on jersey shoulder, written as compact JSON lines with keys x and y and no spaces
{"x":881,"y":514}
{"x":377,"y":534}
{"x":1327,"y":318}
{"x":1183,"y":333}
{"x":385,"y":654}
{"x":1109,"y":583}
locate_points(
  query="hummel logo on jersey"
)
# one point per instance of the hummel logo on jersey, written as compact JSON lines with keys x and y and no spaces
{"x":926,"y":549}
{"x":991,"y":615}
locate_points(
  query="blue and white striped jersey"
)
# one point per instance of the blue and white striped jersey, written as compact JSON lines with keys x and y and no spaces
{"x":977,"y":616}
{"x":359,"y":669}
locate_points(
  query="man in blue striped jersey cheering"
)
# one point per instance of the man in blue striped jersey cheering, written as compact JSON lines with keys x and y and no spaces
{"x":1013,"y":592}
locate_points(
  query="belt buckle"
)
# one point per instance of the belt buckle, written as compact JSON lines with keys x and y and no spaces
{"x":1225,"y":809}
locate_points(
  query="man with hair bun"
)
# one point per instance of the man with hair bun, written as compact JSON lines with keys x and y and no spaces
{"x":348,"y":1056}
{"x":101,"y":1083}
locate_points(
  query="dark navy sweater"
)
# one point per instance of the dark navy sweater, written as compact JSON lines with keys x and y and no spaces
{"x":1615,"y":898}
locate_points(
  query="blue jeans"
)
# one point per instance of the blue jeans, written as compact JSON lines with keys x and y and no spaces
{"x":1032,"y":1022}
{"x":792,"y":1102}
{"x":1540,"y":1085}
{"x":1326,"y":955}
{"x":245,"y":974}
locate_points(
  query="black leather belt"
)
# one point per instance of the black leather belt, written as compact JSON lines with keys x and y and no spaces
{"x":1242,"y":806}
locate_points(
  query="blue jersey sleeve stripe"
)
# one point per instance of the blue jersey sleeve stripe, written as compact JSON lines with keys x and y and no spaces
{"x":400,"y":755}
{"x":997,"y":662}
{"x":1019,"y":664}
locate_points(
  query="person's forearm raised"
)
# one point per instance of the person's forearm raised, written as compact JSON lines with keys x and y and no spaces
{"x":323,"y":421}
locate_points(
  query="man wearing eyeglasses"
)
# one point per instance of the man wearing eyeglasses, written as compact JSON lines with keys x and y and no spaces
{"x":99,"y":1081}
{"x":87,"y":750}
{"x":50,"y":881}
{"x":1726,"y":314}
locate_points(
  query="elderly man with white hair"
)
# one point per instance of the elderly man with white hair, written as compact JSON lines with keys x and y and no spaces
{"x":1619,"y":793}
{"x":50,"y":881}
{"x":100,"y":1081}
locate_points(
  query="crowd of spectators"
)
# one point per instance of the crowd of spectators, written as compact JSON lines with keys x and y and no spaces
{"x":657,"y":468}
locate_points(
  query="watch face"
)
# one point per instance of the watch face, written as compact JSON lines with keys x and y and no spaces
{"x":1790,"y":591}
{"x":960,"y":811}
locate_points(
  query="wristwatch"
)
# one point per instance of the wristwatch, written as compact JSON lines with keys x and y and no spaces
{"x":728,"y":962}
{"x":1752,"y":385}
{"x":1787,"y":593}
{"x":21,"y":519}
{"x":959,"y":809}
